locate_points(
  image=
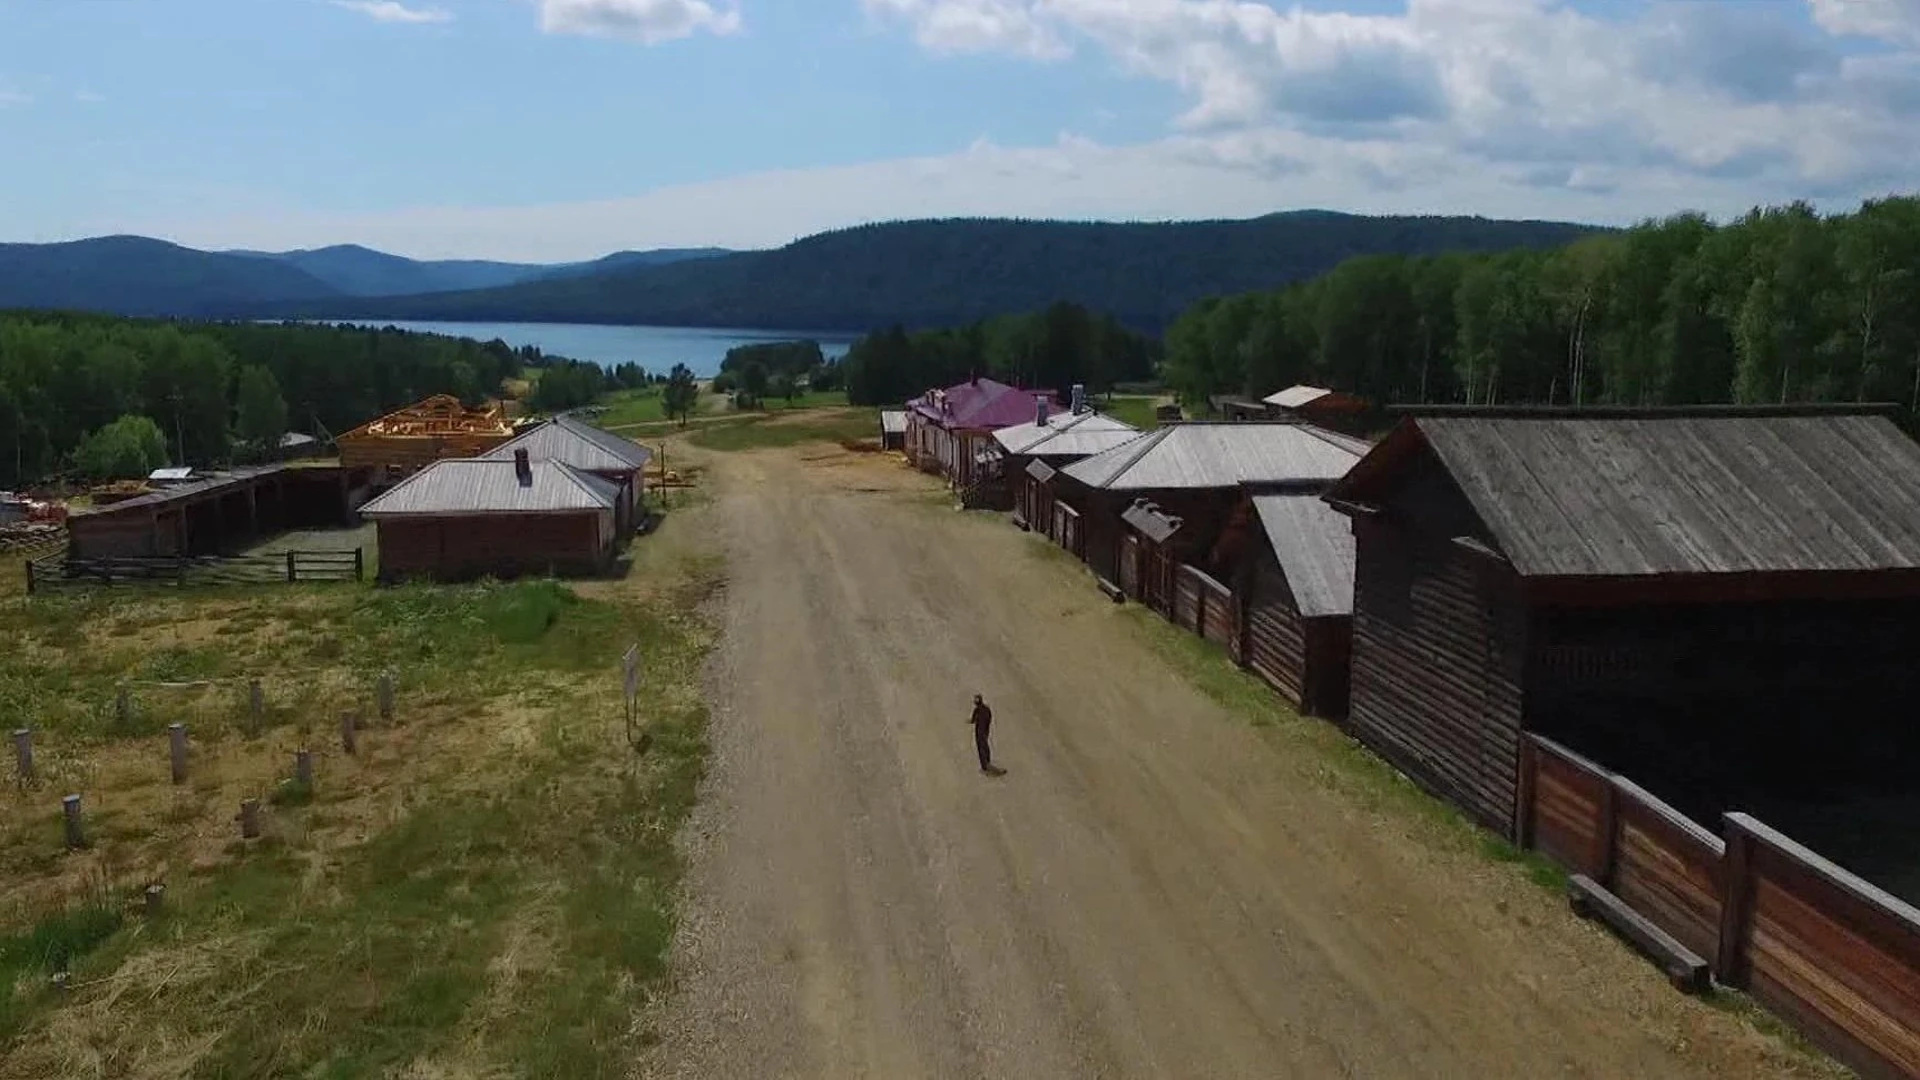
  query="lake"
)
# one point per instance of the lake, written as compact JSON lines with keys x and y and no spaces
{"x":655,"y":348}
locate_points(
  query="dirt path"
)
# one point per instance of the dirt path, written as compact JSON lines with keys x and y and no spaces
{"x":1156,"y":888}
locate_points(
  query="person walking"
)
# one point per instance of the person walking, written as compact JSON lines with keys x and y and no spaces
{"x":982,"y":721}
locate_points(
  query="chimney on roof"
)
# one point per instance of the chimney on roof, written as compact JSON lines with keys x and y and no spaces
{"x":1040,"y":407}
{"x":522,"y":468}
{"x":1079,"y":398}
{"x":974,"y":378}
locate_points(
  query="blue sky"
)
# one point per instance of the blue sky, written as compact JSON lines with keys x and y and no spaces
{"x":558,"y":129}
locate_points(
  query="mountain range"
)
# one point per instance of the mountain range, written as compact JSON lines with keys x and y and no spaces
{"x":915,"y":273}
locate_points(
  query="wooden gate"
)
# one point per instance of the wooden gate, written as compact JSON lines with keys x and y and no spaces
{"x":1130,"y":566}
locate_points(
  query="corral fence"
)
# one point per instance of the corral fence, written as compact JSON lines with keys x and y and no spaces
{"x":61,"y":571}
{"x":1818,"y":945}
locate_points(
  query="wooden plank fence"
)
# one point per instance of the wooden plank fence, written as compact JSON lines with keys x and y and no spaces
{"x":59,"y":571}
{"x":1820,"y":946}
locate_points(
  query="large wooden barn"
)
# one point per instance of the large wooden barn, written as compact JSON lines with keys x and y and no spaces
{"x":1198,"y":473}
{"x":429,"y":430}
{"x":465,"y":518}
{"x":1723,"y":604}
{"x":620,"y":462}
{"x":218,"y":513}
{"x":950,"y":432}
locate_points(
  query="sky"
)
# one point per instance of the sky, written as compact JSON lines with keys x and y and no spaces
{"x":550,"y":130}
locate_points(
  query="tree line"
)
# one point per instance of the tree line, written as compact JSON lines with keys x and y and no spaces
{"x":1053,"y":348}
{"x":213,"y":391}
{"x":1780,"y":305}
{"x":783,"y":369}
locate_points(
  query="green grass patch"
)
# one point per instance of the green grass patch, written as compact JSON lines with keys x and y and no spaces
{"x":762,"y":433}
{"x":1132,"y":408}
{"x":57,"y":942}
{"x":640,"y":406}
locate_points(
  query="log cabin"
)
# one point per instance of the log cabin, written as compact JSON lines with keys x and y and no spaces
{"x":950,"y":432}
{"x":1334,"y":410}
{"x":1053,"y":440}
{"x":1722,"y":603}
{"x":466,"y":518}
{"x":1198,"y":472}
{"x":1291,"y":558}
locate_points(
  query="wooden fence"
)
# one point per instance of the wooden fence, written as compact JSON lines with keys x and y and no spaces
{"x":1820,"y":946}
{"x":59,"y":571}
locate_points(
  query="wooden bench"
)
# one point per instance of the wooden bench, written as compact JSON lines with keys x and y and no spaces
{"x":1686,"y":971}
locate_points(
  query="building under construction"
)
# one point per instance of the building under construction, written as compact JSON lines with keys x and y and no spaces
{"x":406,"y":440}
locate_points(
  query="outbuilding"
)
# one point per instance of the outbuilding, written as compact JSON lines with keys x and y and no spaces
{"x":1721,"y":603}
{"x":1292,"y":570}
{"x":893,"y":429}
{"x":465,"y":518}
{"x":1034,"y":451}
{"x":1332,"y":409}
{"x":619,"y":461}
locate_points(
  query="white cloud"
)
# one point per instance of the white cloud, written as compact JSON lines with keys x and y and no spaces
{"x":956,"y":26}
{"x":647,"y":21}
{"x":88,"y":97}
{"x":10,"y":98}
{"x":1894,"y":21}
{"x":392,"y":11}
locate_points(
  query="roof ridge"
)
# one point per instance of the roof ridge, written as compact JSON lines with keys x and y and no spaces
{"x":1148,"y":442}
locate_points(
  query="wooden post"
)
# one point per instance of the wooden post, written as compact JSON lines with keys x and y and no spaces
{"x":303,"y":768}
{"x":383,"y":695}
{"x":123,"y":707}
{"x":249,"y":818}
{"x":23,"y":753}
{"x":359,"y":564}
{"x":349,"y":732}
{"x":1736,"y":901}
{"x":180,"y":571}
{"x":292,"y":575}
{"x":177,"y":751}
{"x":70,"y":810}
{"x":29,"y":577}
{"x":156,"y":901}
{"x":256,"y":707}
{"x":1609,"y":832}
{"x":1523,"y":794}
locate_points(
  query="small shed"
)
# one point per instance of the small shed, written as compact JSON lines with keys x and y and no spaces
{"x":464,"y":518}
{"x":893,"y":429}
{"x":1236,"y":408}
{"x":619,"y":461}
{"x":429,"y":430}
{"x":1320,"y":406}
{"x":1294,"y":577}
{"x":1721,"y":603}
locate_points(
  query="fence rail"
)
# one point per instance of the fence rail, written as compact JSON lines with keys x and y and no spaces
{"x":1817,"y":944}
{"x":61,"y":571}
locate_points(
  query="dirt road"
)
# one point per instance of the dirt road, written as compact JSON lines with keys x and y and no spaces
{"x":1155,"y":888}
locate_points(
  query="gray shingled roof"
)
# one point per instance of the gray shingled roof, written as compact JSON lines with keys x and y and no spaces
{"x":465,"y":486}
{"x":1681,"y":494}
{"x":1314,"y":543}
{"x":577,"y":443}
{"x":1220,"y":456}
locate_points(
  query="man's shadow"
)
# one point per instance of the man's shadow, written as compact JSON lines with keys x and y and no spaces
{"x":994,"y":770}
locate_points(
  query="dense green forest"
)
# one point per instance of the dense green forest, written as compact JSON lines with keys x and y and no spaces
{"x":212,"y":388}
{"x":923,"y":274}
{"x":1053,"y":348}
{"x":1781,"y":305}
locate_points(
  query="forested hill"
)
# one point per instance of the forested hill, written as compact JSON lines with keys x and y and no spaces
{"x":943,"y":273}
{"x":133,"y":275}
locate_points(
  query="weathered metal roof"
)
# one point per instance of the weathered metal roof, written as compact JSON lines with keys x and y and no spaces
{"x":464,"y":486}
{"x":1314,"y":543}
{"x":1152,"y":522}
{"x":1712,"y":493}
{"x":1206,"y":455}
{"x":577,"y":443}
{"x":199,"y":485}
{"x":1040,"y":470}
{"x":1295,"y":396}
{"x":1065,"y":434}
{"x":893,"y":421}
